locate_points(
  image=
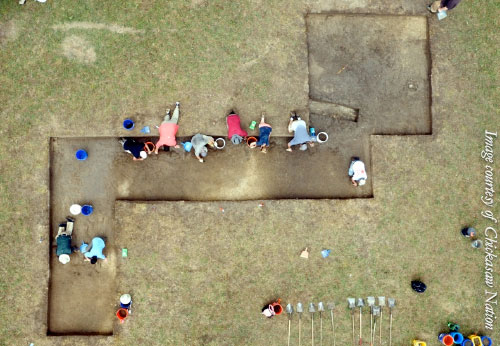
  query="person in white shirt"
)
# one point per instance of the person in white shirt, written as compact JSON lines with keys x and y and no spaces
{"x":357,"y":172}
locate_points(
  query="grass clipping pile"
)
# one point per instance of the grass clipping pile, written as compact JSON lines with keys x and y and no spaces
{"x":78,"y":49}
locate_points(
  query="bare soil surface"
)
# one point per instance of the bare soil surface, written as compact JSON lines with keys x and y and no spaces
{"x":234,"y":173}
{"x":81,"y":294}
{"x":377,"y":64}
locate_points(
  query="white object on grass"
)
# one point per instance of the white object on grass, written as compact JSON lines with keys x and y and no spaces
{"x":75,"y":209}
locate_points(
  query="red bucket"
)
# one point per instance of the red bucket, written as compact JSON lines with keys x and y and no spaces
{"x":122,"y":314}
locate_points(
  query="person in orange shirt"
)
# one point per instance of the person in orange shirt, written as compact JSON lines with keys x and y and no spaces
{"x":168,"y":129}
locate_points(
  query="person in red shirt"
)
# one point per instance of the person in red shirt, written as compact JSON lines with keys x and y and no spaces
{"x":234,"y":130}
{"x":168,"y":129}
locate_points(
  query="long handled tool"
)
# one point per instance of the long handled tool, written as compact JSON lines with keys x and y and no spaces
{"x":321,"y":309}
{"x":361,"y":303}
{"x":392,"y":304}
{"x":289,"y":311}
{"x":371,"y":303}
{"x":331,"y":306}
{"x":312,"y":310}
{"x":352,"y":306}
{"x":299,"y":311}
{"x":376,"y":313}
{"x":381,"y":303}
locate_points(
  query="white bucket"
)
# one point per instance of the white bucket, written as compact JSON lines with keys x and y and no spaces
{"x":75,"y":209}
{"x":220,"y":143}
{"x":322,"y":140}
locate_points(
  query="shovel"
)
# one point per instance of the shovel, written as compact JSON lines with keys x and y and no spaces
{"x":331,"y":306}
{"x":321,"y":309}
{"x":299,"y":311}
{"x":361,"y":303}
{"x":312,"y":310}
{"x":352,"y":306}
{"x":376,"y":312}
{"x":392,"y":304}
{"x":371,"y":303}
{"x":289,"y":311}
{"x":381,"y":303}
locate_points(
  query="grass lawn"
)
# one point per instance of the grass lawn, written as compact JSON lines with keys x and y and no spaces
{"x":426,"y":188}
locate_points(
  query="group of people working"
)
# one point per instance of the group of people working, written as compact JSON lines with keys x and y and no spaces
{"x":199,"y":142}
{"x":91,"y":253}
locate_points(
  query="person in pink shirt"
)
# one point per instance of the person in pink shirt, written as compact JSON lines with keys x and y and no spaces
{"x":168,"y":129}
{"x":234,"y":130}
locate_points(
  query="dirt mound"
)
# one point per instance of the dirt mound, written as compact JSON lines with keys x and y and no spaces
{"x":8,"y":32}
{"x":78,"y":48}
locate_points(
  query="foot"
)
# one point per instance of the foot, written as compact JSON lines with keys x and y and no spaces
{"x":156,"y":151}
{"x":177,"y":104}
{"x":311,"y":144}
{"x":62,"y":225}
{"x":263,"y":150}
{"x":21,"y":2}
{"x":289,"y":149}
{"x":167,"y":112}
{"x":70,"y":219}
{"x":201,"y":160}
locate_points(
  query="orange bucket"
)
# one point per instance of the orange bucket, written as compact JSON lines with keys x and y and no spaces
{"x":278,"y":309}
{"x":251,"y":140}
{"x":122,"y":314}
{"x":149,"y":147}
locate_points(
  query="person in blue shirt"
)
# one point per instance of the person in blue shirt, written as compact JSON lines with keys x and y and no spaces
{"x":93,"y":252}
{"x":264,"y":133}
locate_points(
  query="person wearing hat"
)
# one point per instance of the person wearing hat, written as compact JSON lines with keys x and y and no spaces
{"x":301,"y":136}
{"x":135,"y":148}
{"x":63,"y":240}
{"x":199,"y":143}
{"x":168,"y":129}
{"x":94,"y":252}
{"x":264,"y":133}
{"x":357,"y":172}
{"x":234,"y":131}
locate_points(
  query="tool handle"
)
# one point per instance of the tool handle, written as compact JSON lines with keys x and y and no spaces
{"x":289,"y":325}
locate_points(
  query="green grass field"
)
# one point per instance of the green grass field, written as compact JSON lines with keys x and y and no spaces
{"x":426,"y":188}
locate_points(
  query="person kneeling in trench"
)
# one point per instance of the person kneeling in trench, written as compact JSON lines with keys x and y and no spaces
{"x":168,"y":130}
{"x":264,"y":133}
{"x":135,"y":148}
{"x":357,"y":172}
{"x":63,"y":240}
{"x":199,"y":143}
{"x":94,"y":252}
{"x":300,"y":137}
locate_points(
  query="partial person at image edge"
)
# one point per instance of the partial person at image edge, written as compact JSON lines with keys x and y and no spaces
{"x":443,"y":5}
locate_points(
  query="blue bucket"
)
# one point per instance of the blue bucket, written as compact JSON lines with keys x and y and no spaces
{"x":128,"y":124}
{"x":486,"y":340}
{"x":458,"y":338}
{"x":81,"y":155}
{"x":467,"y":342}
{"x":87,"y":210}
{"x":187,"y":146}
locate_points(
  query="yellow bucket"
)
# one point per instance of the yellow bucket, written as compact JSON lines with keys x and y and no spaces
{"x":418,"y":343}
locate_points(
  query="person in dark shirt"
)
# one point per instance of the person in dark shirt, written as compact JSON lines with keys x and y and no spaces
{"x":134,"y":148}
{"x":442,"y":5}
{"x":63,"y":241}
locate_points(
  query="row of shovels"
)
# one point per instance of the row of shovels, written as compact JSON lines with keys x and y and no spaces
{"x":376,"y":312}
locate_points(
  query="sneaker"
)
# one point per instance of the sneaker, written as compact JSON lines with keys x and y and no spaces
{"x":70,"y":219}
{"x":21,"y":2}
{"x":177,"y":104}
{"x":167,"y":111}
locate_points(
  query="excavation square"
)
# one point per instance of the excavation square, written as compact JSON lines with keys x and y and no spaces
{"x":377,"y":64}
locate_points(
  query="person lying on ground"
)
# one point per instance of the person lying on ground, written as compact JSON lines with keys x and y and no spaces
{"x":234,"y":131}
{"x":63,"y":240}
{"x":93,"y":252}
{"x":357,"y":172}
{"x":442,"y":5}
{"x":135,"y":148}
{"x":199,"y":143}
{"x":300,"y":137}
{"x":168,"y":129}
{"x":264,"y":134}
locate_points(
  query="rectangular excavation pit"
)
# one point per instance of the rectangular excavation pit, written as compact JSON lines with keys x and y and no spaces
{"x":83,"y":298}
{"x":379,"y":64}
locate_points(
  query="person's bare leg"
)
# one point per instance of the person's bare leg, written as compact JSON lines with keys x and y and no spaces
{"x":175,"y":117}
{"x":167,"y":116}
{"x":289,"y":148}
{"x":61,"y":230}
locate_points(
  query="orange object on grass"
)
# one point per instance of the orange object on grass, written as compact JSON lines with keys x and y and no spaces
{"x":122,"y":314}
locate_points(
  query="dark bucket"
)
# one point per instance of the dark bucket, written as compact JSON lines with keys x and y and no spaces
{"x":81,"y":155}
{"x":128,"y":124}
{"x":87,"y":210}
